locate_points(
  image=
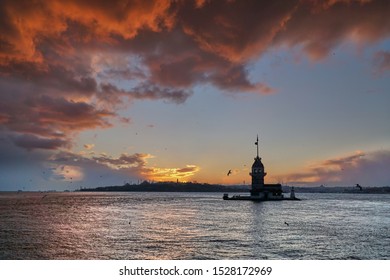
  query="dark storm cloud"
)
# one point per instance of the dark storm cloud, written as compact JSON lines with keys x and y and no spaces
{"x":30,"y":142}
{"x":174,"y":59}
{"x":318,"y":26}
{"x":72,"y":170}
{"x":124,"y":160}
{"x":147,"y":91}
{"x":66,"y":79}
{"x":132,"y":165}
{"x":240,"y":30}
{"x":235,"y":30}
{"x":46,"y":122}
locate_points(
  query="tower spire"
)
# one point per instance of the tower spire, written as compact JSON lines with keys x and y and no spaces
{"x":257,"y":145}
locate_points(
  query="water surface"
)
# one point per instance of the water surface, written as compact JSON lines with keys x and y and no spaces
{"x":192,"y":226}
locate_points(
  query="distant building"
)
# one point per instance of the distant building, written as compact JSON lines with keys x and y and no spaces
{"x":260,"y":190}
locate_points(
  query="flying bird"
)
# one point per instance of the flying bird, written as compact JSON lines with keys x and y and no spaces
{"x":230,"y":172}
{"x":286,"y":223}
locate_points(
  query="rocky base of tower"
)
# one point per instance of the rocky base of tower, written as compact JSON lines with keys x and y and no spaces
{"x":260,"y":197}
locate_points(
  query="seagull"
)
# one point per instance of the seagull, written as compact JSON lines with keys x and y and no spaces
{"x":286,"y":223}
{"x":230,"y":172}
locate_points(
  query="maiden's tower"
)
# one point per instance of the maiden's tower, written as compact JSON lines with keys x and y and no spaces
{"x":259,"y":190}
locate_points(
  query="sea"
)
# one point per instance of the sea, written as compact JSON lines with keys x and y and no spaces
{"x":188,"y":226}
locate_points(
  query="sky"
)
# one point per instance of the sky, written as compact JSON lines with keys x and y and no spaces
{"x":99,"y":93}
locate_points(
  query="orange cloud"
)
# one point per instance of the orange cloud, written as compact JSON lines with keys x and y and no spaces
{"x":25,"y":25}
{"x":236,"y":30}
{"x":67,"y":66}
{"x":360,"y":167}
{"x":170,"y":174}
{"x":49,"y":123}
{"x":124,"y":18}
{"x":318,"y":26}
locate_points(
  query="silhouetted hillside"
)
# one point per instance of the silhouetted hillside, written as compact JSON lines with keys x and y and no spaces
{"x":168,"y":187}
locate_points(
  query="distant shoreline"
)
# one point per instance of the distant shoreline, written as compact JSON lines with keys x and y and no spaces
{"x":204,"y":187}
{"x":168,"y":187}
{"x":198,"y":187}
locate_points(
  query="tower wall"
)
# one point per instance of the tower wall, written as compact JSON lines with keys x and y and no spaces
{"x":258,"y":175}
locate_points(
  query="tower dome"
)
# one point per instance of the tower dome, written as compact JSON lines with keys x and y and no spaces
{"x":257,"y":163}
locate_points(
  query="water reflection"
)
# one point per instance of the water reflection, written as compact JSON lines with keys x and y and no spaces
{"x":191,"y":226}
{"x":165,"y":226}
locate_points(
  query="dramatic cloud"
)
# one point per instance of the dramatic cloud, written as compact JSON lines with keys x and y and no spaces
{"x":30,"y":142}
{"x":25,"y":25}
{"x":318,"y":26}
{"x":147,"y":91}
{"x":72,"y":66}
{"x":48,"y":122}
{"x":124,"y":161}
{"x":18,"y":171}
{"x":240,"y":30}
{"x":235,"y":30}
{"x":358,"y":168}
{"x":68,"y":65}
